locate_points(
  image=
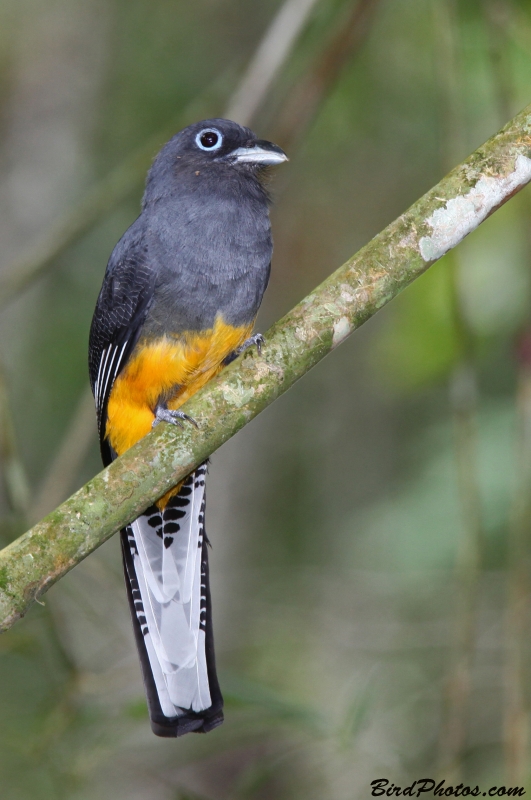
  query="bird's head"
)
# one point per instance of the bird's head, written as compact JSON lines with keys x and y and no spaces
{"x":211,"y":143}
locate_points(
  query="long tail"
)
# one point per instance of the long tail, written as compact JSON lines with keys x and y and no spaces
{"x":166,"y":571}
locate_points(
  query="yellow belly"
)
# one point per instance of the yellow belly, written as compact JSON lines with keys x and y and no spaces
{"x":172,"y":367}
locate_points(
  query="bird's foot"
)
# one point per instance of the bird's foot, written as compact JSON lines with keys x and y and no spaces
{"x":256,"y":339}
{"x":163,"y":414}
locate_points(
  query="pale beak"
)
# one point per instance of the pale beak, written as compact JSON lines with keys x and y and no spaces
{"x":262,"y":153}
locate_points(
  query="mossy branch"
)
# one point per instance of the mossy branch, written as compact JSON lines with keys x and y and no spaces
{"x":351,"y":295}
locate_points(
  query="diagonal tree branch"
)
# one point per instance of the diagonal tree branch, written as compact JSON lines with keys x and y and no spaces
{"x":351,"y":295}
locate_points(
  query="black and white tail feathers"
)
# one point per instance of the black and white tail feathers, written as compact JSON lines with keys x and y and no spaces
{"x":166,"y":570}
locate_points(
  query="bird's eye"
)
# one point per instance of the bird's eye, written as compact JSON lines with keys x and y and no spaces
{"x":209,"y":139}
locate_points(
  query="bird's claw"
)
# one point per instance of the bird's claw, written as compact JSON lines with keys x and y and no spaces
{"x":172,"y":416}
{"x":256,"y":339}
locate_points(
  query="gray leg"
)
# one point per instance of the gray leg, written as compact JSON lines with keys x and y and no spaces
{"x":256,"y":339}
{"x":163,"y":414}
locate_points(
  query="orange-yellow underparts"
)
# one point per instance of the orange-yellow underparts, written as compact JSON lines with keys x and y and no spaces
{"x":174,"y":367}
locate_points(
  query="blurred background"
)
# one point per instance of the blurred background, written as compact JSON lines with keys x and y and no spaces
{"x":370,"y":530}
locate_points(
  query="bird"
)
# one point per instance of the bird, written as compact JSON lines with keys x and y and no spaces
{"x":178,"y":302}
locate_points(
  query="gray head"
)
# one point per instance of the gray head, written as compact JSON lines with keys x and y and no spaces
{"x":214,"y":149}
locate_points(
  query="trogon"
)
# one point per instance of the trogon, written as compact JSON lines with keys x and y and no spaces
{"x":178,"y":302}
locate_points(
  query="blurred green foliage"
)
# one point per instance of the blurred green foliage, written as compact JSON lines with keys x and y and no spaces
{"x":335,"y":518}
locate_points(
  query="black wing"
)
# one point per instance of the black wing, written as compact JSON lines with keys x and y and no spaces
{"x":121,"y":310}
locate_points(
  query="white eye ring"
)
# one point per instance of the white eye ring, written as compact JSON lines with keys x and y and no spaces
{"x":215,"y":146}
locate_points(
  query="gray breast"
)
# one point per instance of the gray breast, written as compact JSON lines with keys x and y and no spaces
{"x":211,"y":248}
